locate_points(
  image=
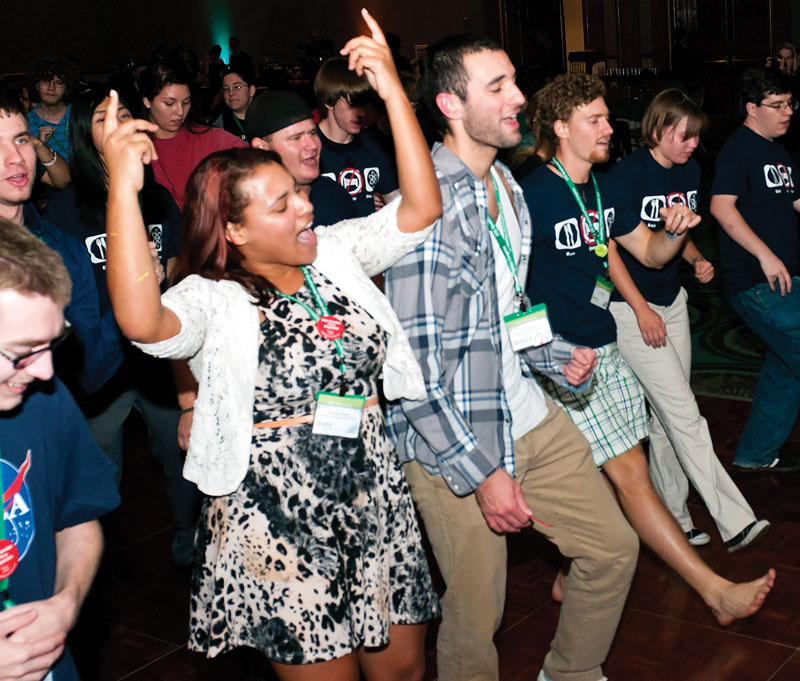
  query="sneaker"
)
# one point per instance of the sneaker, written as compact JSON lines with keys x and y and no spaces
{"x":543,"y":677}
{"x":784,"y":464}
{"x":750,"y":534}
{"x":698,"y":537}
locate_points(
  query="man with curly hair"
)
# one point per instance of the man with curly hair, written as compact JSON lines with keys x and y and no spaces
{"x":575,"y":215}
{"x":53,"y":81}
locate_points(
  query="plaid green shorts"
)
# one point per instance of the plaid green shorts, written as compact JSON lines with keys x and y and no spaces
{"x":612,"y":414}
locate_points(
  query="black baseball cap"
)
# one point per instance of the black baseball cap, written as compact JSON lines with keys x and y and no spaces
{"x":273,"y":111}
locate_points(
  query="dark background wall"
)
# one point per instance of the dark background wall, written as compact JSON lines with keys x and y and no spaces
{"x":95,"y":32}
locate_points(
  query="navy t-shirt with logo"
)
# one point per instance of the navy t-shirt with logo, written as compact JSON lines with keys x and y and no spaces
{"x":54,"y":477}
{"x":646,"y":187}
{"x":361,"y":167}
{"x":761,"y":175}
{"x":564,"y":267}
{"x":161,"y":216}
{"x":331,"y":202}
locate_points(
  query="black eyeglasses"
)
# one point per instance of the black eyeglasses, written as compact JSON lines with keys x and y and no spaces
{"x":792,"y":105}
{"x":28,"y":358}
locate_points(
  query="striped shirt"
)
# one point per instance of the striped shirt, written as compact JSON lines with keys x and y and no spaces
{"x":59,"y":140}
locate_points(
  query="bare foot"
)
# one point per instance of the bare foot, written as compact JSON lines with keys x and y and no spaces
{"x":734,"y":601}
{"x":559,"y":584}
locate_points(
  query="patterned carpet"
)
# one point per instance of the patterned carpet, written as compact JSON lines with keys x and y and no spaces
{"x":726,"y":355}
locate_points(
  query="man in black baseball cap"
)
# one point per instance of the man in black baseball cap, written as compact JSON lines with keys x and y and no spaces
{"x":281,"y":121}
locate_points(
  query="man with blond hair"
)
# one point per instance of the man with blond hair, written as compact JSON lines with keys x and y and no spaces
{"x":54,"y":481}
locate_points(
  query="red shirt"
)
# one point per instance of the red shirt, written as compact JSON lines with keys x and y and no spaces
{"x":180,"y":155}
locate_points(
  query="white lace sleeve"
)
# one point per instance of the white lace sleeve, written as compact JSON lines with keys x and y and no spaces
{"x":191,"y":300}
{"x":375,"y":240}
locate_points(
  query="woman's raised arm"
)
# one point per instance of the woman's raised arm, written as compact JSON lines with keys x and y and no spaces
{"x":421,"y":200}
{"x":132,"y":281}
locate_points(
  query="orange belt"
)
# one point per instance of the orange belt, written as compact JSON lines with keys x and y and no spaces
{"x":308,"y":418}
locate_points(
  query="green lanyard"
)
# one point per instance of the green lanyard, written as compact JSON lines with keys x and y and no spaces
{"x":5,"y":599}
{"x":600,"y":250}
{"x":316,"y":316}
{"x":239,"y":123}
{"x":504,"y":242}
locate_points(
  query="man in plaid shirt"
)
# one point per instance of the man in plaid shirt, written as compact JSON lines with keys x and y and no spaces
{"x":487,"y":453}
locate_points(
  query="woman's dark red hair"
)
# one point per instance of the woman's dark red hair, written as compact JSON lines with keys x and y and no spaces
{"x":213,"y":199}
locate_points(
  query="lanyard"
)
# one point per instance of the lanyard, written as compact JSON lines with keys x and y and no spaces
{"x":5,"y":599}
{"x":600,"y":250}
{"x":317,"y":315}
{"x":504,"y":242}
{"x":239,"y":123}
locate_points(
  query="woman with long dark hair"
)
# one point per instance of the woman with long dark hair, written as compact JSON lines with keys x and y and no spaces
{"x":142,"y":382}
{"x":180,"y":142}
{"x":308,"y":548}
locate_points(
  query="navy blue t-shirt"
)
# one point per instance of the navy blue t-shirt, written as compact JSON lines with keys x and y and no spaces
{"x":331,"y":202}
{"x":95,"y":330}
{"x":56,"y":478}
{"x":646,"y":186}
{"x":760,"y":173}
{"x":361,"y":167}
{"x":564,"y":267}
{"x":161,"y":217}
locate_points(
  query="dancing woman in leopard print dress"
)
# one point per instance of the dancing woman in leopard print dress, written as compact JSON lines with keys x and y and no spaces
{"x":308,"y":547}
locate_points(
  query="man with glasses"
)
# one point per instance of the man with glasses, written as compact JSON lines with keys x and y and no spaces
{"x":53,"y":81}
{"x":237,"y":93}
{"x":54,"y":481}
{"x":754,"y":199}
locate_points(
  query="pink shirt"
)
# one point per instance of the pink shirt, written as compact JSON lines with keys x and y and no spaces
{"x":180,"y":155}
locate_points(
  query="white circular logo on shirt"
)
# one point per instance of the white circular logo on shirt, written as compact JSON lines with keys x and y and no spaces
{"x":352,"y":181}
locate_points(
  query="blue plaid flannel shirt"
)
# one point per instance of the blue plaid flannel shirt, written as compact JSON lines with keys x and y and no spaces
{"x":445,"y":297}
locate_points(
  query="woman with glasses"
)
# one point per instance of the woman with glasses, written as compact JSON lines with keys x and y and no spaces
{"x":653,"y":334}
{"x":237,"y":93}
{"x":180,"y":143}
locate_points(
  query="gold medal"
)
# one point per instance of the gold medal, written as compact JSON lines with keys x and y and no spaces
{"x":601,"y":250}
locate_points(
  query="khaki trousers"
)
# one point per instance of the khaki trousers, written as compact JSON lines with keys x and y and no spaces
{"x":563,"y":487}
{"x":680,"y":444}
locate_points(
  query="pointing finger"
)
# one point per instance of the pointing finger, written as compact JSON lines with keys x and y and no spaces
{"x":377,"y":33}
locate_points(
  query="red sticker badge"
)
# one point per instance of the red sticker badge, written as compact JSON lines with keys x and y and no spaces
{"x":330,"y":327}
{"x":9,"y":558}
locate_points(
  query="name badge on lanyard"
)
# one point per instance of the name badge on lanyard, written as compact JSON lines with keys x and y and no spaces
{"x":338,"y":415}
{"x":601,"y":295}
{"x":529,"y":328}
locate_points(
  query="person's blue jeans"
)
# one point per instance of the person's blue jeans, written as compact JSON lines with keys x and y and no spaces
{"x":776,"y":320}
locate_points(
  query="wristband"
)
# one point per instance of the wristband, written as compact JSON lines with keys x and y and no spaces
{"x":47,"y":164}
{"x":188,"y":410}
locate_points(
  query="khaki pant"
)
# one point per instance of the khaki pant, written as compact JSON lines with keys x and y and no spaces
{"x":563,"y":487}
{"x":680,"y":444}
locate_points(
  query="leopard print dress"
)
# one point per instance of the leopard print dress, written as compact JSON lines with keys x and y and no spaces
{"x":318,"y":550}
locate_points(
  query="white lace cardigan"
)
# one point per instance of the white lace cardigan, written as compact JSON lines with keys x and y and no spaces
{"x":219,"y":336}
